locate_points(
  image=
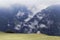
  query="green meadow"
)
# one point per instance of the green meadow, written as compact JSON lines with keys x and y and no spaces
{"x":18,"y":36}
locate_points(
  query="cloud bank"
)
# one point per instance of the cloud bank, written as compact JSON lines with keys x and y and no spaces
{"x":38,"y":4}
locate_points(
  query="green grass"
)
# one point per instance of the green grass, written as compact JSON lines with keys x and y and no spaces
{"x":8,"y":36}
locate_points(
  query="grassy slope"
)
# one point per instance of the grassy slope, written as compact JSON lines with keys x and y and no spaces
{"x":6,"y":36}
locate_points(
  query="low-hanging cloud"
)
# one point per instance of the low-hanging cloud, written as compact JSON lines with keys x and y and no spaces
{"x":39,"y":4}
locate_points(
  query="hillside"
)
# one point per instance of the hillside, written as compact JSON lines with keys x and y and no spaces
{"x":7,"y":36}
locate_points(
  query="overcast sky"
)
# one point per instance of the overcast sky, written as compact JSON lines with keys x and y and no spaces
{"x":38,"y":3}
{"x":30,"y":2}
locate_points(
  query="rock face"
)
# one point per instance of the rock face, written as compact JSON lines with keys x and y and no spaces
{"x":14,"y":18}
{"x":51,"y":20}
{"x":20,"y":19}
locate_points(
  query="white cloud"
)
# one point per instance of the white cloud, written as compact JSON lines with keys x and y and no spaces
{"x":40,"y":4}
{"x":30,"y":2}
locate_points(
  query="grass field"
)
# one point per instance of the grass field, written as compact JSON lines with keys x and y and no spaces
{"x":8,"y":36}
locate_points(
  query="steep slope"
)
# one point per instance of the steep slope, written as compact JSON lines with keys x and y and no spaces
{"x":51,"y":20}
